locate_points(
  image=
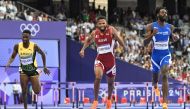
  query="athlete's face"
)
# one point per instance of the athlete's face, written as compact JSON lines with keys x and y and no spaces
{"x":25,"y":37}
{"x":162,"y":15}
{"x":101,"y":24}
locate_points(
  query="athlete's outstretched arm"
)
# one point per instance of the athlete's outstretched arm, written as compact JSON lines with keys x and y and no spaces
{"x":87,"y":42}
{"x":116,"y":36}
{"x":39,"y":50}
{"x":149,"y":34}
{"x":11,"y":59}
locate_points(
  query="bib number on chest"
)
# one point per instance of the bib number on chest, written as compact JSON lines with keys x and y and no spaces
{"x":27,"y":61}
{"x":161,"y":45}
{"x":104,"y":49}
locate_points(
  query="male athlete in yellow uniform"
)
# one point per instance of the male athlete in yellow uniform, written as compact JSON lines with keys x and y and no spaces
{"x":27,"y":54}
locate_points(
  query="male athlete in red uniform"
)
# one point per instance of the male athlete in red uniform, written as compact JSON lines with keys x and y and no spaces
{"x":104,"y":36}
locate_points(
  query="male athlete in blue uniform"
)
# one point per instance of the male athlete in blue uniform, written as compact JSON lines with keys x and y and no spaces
{"x":159,"y":33}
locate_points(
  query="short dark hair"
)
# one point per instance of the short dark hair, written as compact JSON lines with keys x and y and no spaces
{"x":159,"y":8}
{"x":27,"y":31}
{"x":100,"y":17}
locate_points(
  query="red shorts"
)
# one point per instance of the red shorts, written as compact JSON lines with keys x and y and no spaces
{"x":107,"y":63}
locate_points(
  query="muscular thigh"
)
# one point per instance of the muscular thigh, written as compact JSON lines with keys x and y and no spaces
{"x":166,"y":60}
{"x":98,"y":69}
{"x":107,"y":67}
{"x":35,"y":83}
{"x":24,"y":81}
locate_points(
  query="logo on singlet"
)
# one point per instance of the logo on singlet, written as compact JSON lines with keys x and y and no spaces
{"x":163,"y":33}
{"x":102,"y":40}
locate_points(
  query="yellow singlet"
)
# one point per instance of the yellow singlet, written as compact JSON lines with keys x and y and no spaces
{"x":27,"y":58}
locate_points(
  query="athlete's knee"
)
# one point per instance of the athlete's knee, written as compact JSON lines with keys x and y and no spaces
{"x":98,"y":75}
{"x":24,"y":90}
{"x":37,"y":90}
{"x":164,"y":78}
{"x":111,"y":83}
{"x":97,"y":81}
{"x":164,"y":69}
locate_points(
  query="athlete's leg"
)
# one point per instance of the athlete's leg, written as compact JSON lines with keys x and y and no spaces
{"x":36,"y":87}
{"x":164,"y":71}
{"x":111,"y":73}
{"x":110,"y":81}
{"x":98,"y":78}
{"x":24,"y":85}
{"x":155,"y":75}
{"x":98,"y":69}
{"x":155,"y":79}
{"x":165,"y":62}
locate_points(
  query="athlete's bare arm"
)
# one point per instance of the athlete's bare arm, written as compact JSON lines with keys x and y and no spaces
{"x":149,"y":34}
{"x":116,"y":36}
{"x":174,"y":36}
{"x":87,"y":42}
{"x":39,"y":50}
{"x":11,"y":59}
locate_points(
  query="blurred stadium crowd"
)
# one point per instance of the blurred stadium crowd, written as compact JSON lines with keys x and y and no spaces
{"x":130,"y":25}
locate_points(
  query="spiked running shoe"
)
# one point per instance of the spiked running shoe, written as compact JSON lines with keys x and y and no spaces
{"x":94,"y":104}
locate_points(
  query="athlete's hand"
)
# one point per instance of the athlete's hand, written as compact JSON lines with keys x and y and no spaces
{"x":46,"y":71}
{"x":155,"y":31}
{"x":81,"y":53}
{"x":175,"y":37}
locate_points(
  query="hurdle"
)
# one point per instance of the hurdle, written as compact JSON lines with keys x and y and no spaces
{"x":79,"y":89}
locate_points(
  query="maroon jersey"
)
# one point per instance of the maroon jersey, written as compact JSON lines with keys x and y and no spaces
{"x":105,"y":46}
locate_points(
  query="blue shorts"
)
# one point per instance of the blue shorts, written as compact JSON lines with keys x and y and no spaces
{"x":158,"y":60}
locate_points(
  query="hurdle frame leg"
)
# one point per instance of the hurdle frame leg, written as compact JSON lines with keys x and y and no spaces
{"x":5,"y":97}
{"x":184,"y":96}
{"x":115,"y":99}
{"x":152,"y":97}
{"x":146,"y":95}
{"x":41,"y":96}
{"x":73,"y":95}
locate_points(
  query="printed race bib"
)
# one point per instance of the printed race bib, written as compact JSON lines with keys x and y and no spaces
{"x":26,"y":61}
{"x":160,"y":45}
{"x":104,"y":49}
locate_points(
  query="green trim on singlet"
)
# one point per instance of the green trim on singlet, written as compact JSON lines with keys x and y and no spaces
{"x":28,"y":68}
